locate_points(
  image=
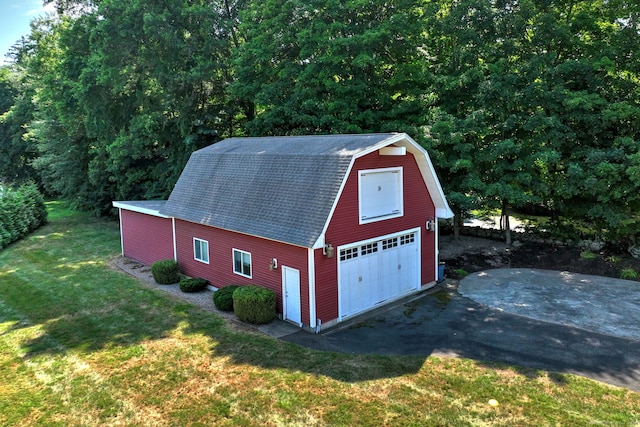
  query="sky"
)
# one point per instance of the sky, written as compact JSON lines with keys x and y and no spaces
{"x":15,"y":16}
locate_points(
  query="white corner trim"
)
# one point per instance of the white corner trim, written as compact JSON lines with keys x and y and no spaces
{"x":312,"y":288}
{"x":175,"y":245}
{"x":121,"y":232}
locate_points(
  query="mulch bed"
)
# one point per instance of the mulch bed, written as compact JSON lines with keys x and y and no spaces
{"x":536,"y":255}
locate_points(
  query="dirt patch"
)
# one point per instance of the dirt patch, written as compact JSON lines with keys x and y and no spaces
{"x":471,"y":254}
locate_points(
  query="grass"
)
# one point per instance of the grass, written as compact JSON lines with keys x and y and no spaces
{"x":460,"y":273}
{"x":629,"y":274}
{"x":588,"y":255}
{"x":84,"y":344}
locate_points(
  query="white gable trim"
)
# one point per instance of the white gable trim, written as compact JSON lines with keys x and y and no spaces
{"x":429,"y":175}
{"x":393,"y":151}
{"x":320,"y":242}
{"x":426,"y":169}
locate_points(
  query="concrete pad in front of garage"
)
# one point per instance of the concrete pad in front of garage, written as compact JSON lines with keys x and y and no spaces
{"x":600,"y":304}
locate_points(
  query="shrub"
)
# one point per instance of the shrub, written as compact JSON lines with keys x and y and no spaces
{"x":165,"y":272}
{"x":614,"y":259}
{"x":588,"y":255}
{"x":223,"y":297}
{"x":195,"y":284}
{"x":629,"y":274}
{"x":22,"y":210}
{"x":254,"y":304}
{"x":461,"y":273}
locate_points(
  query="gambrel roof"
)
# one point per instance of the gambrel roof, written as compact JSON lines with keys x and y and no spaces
{"x":280,"y":188}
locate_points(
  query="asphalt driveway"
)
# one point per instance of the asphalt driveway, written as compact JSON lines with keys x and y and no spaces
{"x":555,"y":321}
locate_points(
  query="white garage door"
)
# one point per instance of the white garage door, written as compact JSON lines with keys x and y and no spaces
{"x":375,"y":271}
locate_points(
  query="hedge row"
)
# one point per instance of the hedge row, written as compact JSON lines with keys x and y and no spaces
{"x":22,"y":210}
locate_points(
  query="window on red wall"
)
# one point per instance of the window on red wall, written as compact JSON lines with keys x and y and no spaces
{"x":201,"y":250}
{"x":242,"y":263}
{"x":380,"y":194}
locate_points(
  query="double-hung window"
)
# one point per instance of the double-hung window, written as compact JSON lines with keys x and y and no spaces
{"x":242,"y":263}
{"x":201,"y":250}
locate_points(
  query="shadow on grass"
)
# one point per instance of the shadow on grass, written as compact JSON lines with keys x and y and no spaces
{"x":88,"y":307}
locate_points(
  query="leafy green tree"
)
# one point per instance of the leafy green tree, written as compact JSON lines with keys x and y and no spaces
{"x":16,"y":109}
{"x":326,"y":66}
{"x":544,"y":94}
{"x":124,"y":91}
{"x":160,"y":95}
{"x":57,"y":127}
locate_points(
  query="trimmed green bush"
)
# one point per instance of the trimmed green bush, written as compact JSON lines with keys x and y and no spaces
{"x":195,"y":284}
{"x":22,"y":210}
{"x":165,"y":272}
{"x":254,"y":304}
{"x":223,"y":297}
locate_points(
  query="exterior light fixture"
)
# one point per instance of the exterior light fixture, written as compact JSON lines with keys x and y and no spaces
{"x":273,"y":264}
{"x":328,"y":250}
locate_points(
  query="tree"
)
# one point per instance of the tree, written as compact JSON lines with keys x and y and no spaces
{"x":160,"y":95}
{"x":16,"y":109}
{"x":328,"y":66}
{"x":120,"y":123}
{"x":530,"y":88}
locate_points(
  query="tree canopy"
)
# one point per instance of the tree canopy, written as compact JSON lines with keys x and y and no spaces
{"x":519,"y":102}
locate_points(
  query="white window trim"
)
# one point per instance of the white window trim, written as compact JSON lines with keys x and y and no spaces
{"x":233,"y":260}
{"x":400,"y":195}
{"x":195,"y":239}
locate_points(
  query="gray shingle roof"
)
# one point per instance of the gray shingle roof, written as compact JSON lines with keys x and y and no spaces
{"x":279,"y":188}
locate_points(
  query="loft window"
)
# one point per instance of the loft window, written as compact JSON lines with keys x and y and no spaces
{"x":380,"y":194}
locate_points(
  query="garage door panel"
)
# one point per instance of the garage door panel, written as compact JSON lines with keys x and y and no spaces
{"x":369,"y":280}
{"x":376,"y":271}
{"x":388,"y":271}
{"x":408,"y":255}
{"x":350,"y":272}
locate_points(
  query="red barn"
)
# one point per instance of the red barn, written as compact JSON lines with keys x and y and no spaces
{"x":336,"y":225}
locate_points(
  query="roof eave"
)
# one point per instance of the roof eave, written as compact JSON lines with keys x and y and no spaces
{"x":129,"y":206}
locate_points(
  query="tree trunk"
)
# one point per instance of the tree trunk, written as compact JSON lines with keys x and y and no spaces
{"x":456,"y":226}
{"x":504,"y":219}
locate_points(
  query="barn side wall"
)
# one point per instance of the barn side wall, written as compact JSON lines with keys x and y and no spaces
{"x":220,"y":272}
{"x":146,"y":238}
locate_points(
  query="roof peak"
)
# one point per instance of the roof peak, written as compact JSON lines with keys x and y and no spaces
{"x":308,"y":145}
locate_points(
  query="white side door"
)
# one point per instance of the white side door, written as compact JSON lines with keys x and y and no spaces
{"x":291,"y":295}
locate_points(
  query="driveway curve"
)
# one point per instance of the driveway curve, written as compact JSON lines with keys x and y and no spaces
{"x":600,"y":304}
{"x":561,"y":322}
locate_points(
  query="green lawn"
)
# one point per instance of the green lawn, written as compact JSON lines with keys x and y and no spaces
{"x":84,"y":344}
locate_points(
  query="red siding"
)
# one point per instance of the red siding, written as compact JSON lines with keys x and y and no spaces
{"x":345,"y":228}
{"x":219,"y":271}
{"x":146,"y":238}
